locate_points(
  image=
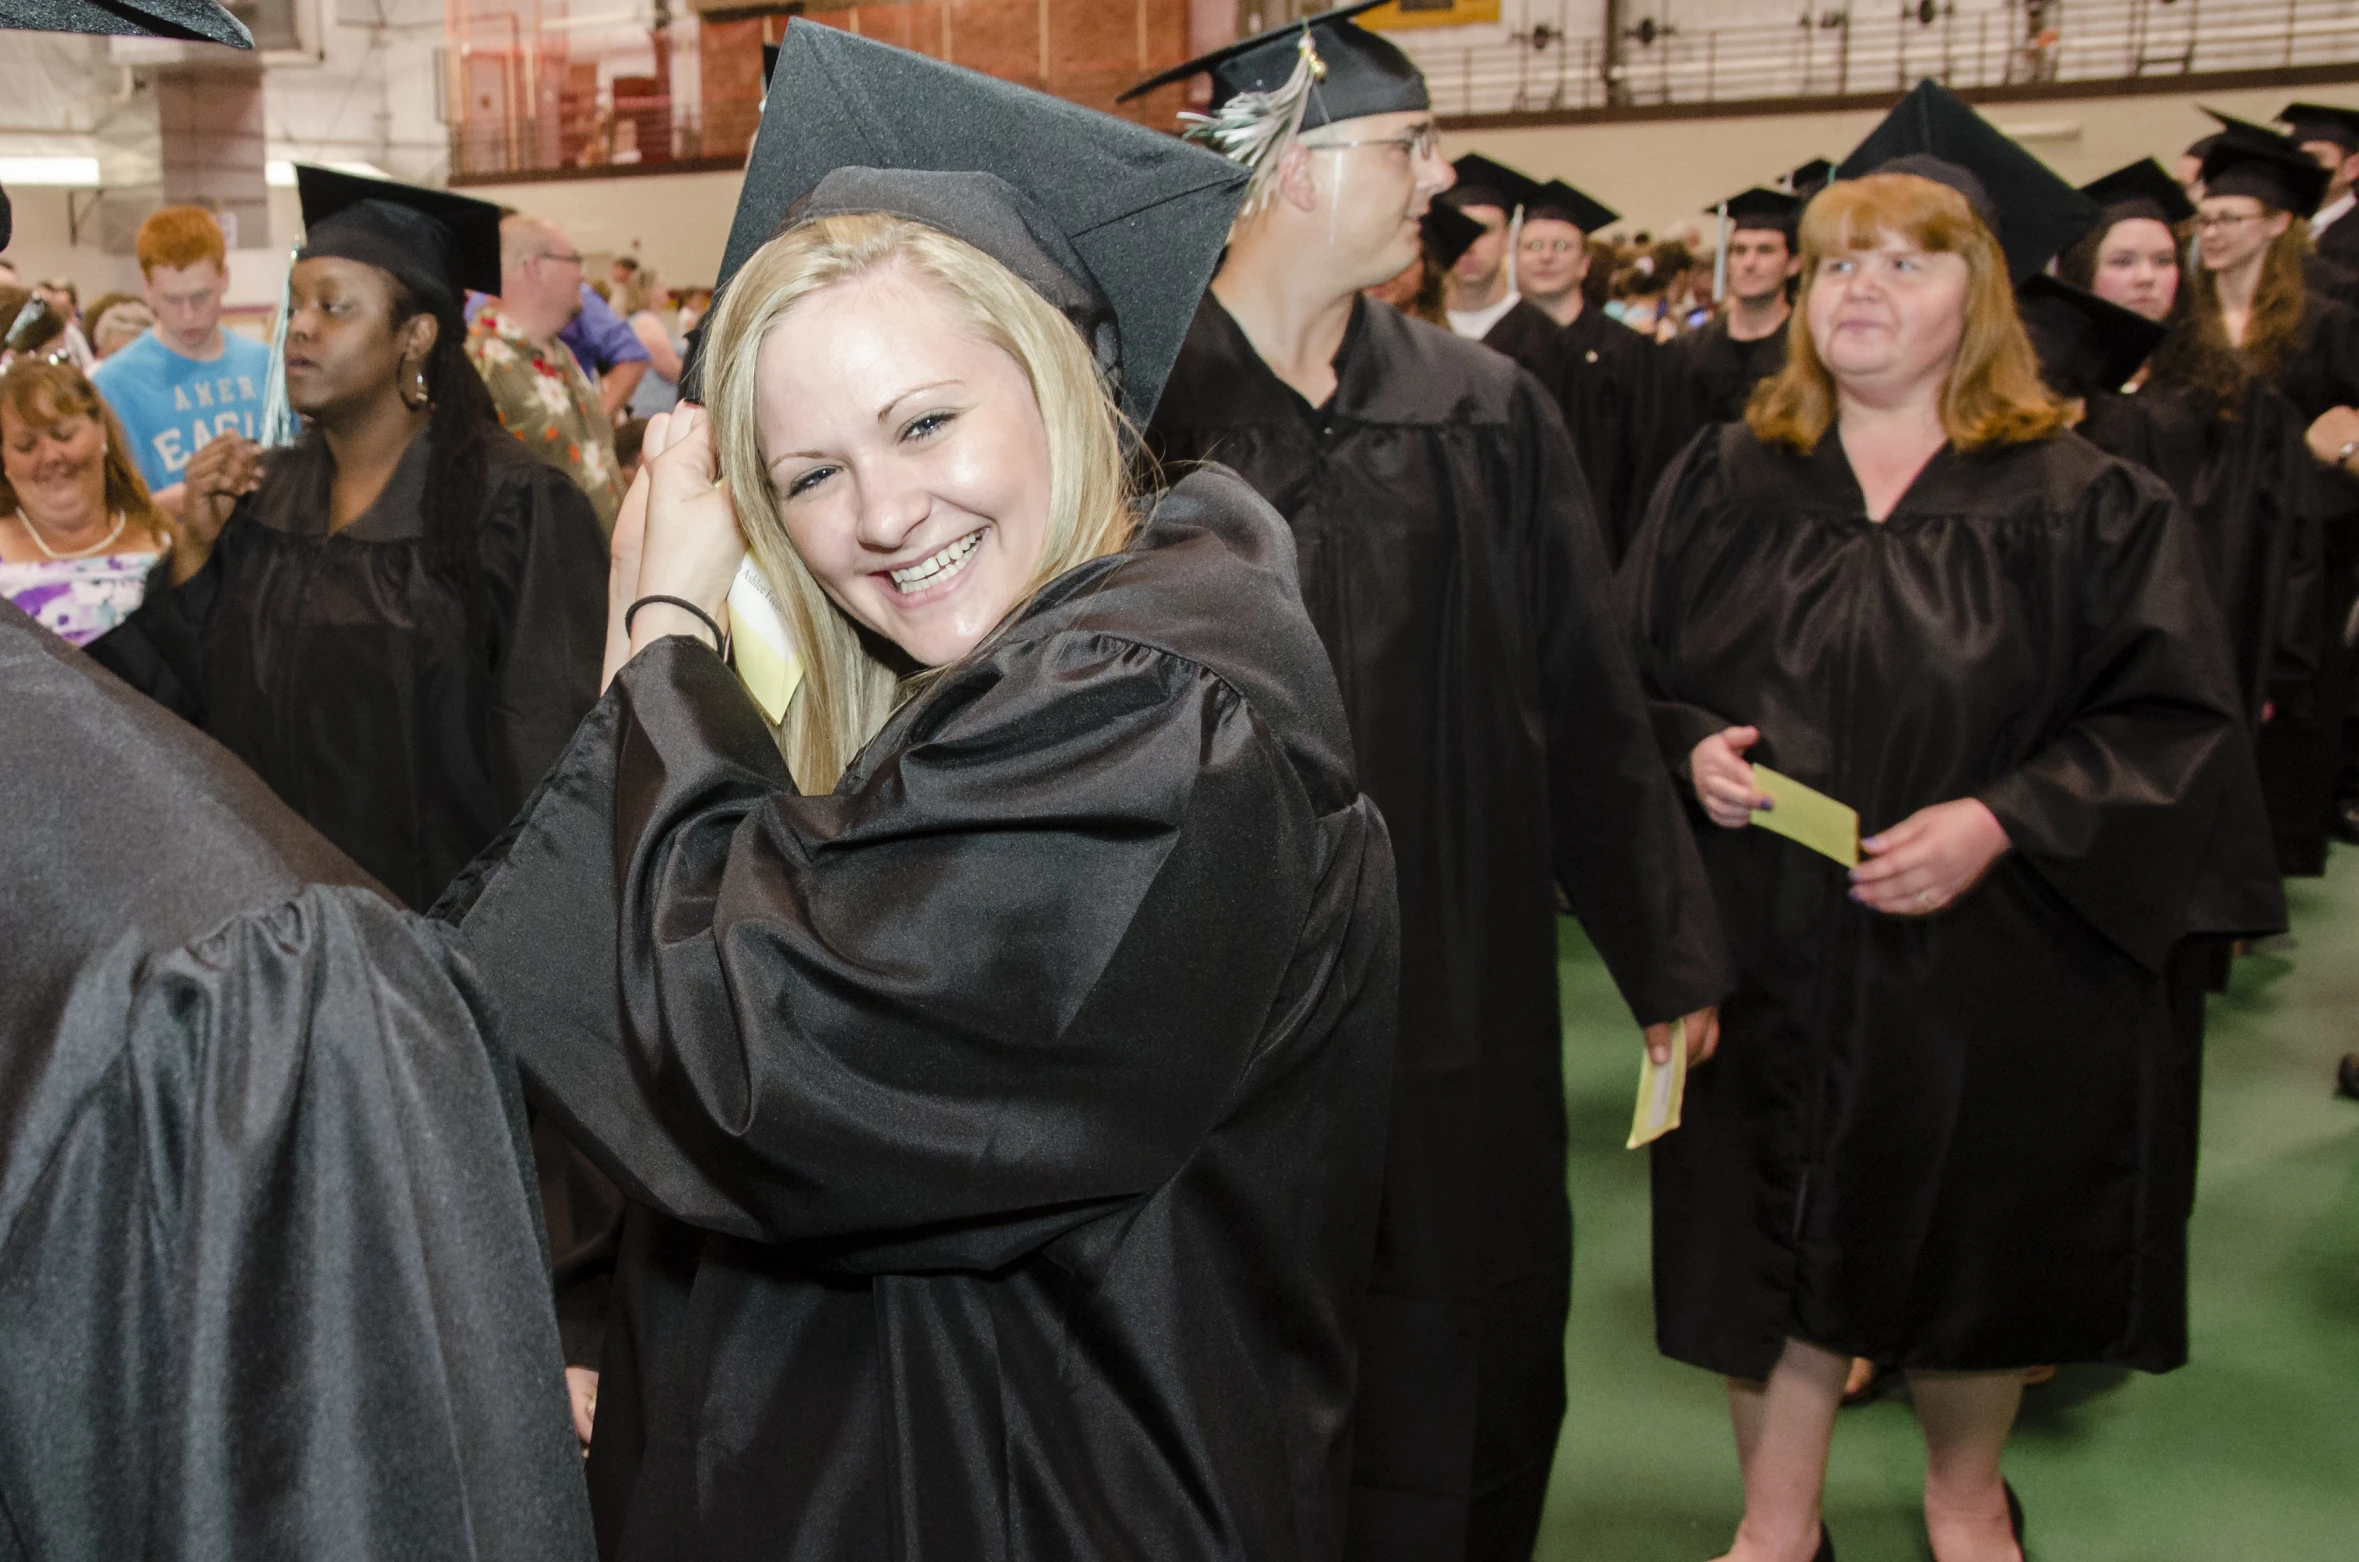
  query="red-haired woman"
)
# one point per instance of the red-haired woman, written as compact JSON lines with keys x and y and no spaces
{"x":78,"y":533}
{"x":1932,"y":1132}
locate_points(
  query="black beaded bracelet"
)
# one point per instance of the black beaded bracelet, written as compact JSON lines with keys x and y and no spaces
{"x":720,"y":640}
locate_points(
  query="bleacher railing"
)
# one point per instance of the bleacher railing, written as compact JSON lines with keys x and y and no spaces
{"x":1841,"y":50}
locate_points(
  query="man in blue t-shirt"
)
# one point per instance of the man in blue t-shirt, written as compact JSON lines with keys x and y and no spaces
{"x":185,"y":380}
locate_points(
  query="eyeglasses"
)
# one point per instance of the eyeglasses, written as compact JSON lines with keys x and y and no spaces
{"x":1424,"y":141}
{"x":1552,"y":246}
{"x":570,"y":259}
{"x":2210,"y":220}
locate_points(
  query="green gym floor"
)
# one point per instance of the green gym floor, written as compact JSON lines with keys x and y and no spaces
{"x":2250,"y":1453}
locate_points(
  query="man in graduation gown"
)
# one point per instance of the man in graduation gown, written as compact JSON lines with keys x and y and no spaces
{"x":1707,"y":376}
{"x":273,"y":1286}
{"x":1454,"y":572}
{"x":1608,"y":370}
{"x":2331,"y":135}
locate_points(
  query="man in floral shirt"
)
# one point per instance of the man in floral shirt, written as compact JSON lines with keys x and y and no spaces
{"x":544,"y":397}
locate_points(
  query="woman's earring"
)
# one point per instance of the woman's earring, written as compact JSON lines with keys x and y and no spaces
{"x":421,"y":398}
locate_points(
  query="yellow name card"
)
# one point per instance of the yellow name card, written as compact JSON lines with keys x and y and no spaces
{"x":767,"y":663}
{"x":1661,"y":1089}
{"x":1809,"y":817}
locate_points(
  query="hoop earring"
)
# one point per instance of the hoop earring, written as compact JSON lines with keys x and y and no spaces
{"x":422,"y":398}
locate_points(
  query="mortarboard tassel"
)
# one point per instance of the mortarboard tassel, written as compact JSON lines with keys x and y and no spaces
{"x":1255,"y":128}
{"x":279,"y":425}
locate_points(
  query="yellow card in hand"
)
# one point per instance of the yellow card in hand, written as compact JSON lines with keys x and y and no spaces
{"x":1812,"y":818}
{"x":765,"y":653}
{"x":1661,"y":1088}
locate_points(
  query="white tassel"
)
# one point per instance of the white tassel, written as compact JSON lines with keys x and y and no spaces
{"x":278,"y":425}
{"x":1256,"y":128}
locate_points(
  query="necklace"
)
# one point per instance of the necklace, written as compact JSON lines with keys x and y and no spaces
{"x":99,"y":546}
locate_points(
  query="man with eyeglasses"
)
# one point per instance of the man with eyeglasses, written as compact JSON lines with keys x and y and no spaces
{"x":543,"y":395}
{"x":1448,"y":557}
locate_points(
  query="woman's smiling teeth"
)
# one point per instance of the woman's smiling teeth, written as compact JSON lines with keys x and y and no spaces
{"x":926,"y":574}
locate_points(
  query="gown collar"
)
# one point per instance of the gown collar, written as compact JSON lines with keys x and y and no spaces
{"x":293,"y":499}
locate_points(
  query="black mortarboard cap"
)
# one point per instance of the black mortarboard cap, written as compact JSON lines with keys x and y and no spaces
{"x":1561,"y":202}
{"x":1116,"y":224}
{"x":438,"y":243}
{"x":2247,"y":159}
{"x":2322,"y":122}
{"x":2086,"y":344}
{"x":190,"y":21}
{"x":1366,"y":72}
{"x":1759,"y":208}
{"x":1482,"y":182}
{"x":1811,"y":177}
{"x":1449,"y":233}
{"x":1934,"y":134}
{"x":2141,"y":189}
{"x":2202,"y":146}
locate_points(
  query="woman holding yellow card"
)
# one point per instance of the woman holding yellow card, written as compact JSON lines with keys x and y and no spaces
{"x":1947,"y":1129}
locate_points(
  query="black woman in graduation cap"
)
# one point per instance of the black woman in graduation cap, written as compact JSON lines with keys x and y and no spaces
{"x":1005,"y":1021}
{"x":1451,"y":560}
{"x":395,"y":620}
{"x":1941,"y":1129}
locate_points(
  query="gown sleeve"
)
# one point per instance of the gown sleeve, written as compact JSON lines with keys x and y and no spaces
{"x":272,"y":1287}
{"x":1624,"y":854}
{"x":1642,"y":584}
{"x":544,"y":566}
{"x":982,"y":994}
{"x":2116,"y":801}
{"x":160,"y":649}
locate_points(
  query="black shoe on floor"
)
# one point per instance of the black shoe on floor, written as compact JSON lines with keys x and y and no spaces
{"x":2346,"y":1077}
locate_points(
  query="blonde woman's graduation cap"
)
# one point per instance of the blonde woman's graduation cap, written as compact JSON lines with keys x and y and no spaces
{"x":1118,"y":226}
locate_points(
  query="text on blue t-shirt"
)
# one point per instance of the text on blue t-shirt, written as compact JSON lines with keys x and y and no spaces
{"x":172,"y":406}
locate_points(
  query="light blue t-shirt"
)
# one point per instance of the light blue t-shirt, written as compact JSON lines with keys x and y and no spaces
{"x":172,"y":406}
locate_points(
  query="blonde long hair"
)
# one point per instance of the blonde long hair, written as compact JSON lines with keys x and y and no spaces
{"x":848,"y":690}
{"x":1994,"y":395}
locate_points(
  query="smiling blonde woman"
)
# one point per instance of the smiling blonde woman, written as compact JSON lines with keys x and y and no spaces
{"x":1001,"y":1099}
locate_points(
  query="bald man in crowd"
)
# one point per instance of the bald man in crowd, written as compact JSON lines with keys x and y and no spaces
{"x":544,"y":396}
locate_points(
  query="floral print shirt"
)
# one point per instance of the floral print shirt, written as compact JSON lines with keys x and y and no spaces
{"x":547,"y":401}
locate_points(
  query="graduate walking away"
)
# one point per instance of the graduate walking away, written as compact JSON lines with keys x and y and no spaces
{"x":1000,"y":1074}
{"x":1456,"y":576}
{"x":1941,"y":1131}
{"x":273,"y":1284}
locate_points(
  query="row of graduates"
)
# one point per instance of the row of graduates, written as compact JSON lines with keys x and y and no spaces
{"x":2226,"y":363}
{"x":986,"y":1119}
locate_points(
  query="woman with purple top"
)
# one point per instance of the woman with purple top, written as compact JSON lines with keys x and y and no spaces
{"x":78,"y":532}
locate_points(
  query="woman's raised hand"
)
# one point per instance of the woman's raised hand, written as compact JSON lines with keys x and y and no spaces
{"x":226,"y":470}
{"x":1724,"y":779}
{"x":684,"y":529}
{"x":1930,"y":859}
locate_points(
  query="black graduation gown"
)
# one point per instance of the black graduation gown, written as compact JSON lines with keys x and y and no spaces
{"x":1009,"y":1120}
{"x":344,"y":673}
{"x":1954,"y":1142}
{"x":272,"y":1287}
{"x":1701,"y":378}
{"x":2339,"y":244}
{"x":2305,"y":748}
{"x":1457,"y":580}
